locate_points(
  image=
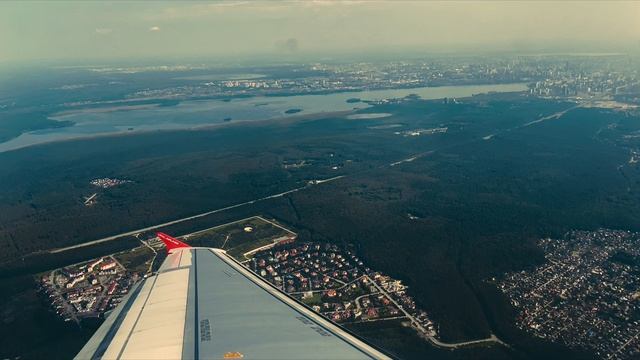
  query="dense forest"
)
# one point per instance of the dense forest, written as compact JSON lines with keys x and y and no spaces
{"x":466,"y":206}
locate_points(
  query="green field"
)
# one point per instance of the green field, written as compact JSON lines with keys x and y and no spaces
{"x":237,"y":241}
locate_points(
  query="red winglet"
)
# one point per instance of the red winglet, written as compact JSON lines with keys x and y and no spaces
{"x":171,"y":242}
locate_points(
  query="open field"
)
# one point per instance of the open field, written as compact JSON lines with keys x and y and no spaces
{"x":241,"y":238}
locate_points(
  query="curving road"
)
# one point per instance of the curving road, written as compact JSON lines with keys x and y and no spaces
{"x":491,"y":339}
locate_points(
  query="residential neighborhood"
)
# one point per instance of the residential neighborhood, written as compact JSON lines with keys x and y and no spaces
{"x":88,"y":289}
{"x":336,"y":283}
{"x":586,"y":295}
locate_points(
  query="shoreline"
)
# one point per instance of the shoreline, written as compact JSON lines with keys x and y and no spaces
{"x":389,"y":93}
{"x":205,"y":127}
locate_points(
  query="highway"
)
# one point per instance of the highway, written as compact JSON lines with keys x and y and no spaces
{"x":553,"y":116}
{"x":137,"y":231}
{"x":308,"y":185}
{"x":436,"y":342}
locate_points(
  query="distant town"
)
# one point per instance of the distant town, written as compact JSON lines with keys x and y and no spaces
{"x":552,"y":76}
{"x":586,"y":296}
{"x":103,"y":183}
{"x":106,"y":183}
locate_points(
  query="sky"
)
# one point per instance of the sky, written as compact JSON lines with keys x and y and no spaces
{"x":58,"y":30}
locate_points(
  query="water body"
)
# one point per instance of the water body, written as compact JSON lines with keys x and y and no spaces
{"x":368,"y":116}
{"x":212,"y":77}
{"x":195,"y":113}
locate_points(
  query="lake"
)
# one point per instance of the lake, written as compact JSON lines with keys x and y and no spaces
{"x":195,"y":113}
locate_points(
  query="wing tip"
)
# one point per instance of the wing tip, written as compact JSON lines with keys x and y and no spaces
{"x":170,"y":242}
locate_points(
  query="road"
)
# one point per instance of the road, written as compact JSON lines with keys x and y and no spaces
{"x":357,"y":301}
{"x":284,"y":228}
{"x":553,"y":116}
{"x":491,"y":339}
{"x":90,"y":198}
{"x":225,"y":241}
{"x":550,"y":117}
{"x":623,"y":345}
{"x":69,"y":311}
{"x":435,"y":341}
{"x":264,"y":247}
{"x":211,"y":212}
{"x":414,"y":321}
{"x":155,"y":254}
{"x":137,"y":231}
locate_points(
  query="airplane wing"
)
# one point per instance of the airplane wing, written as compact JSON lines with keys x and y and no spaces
{"x":202,"y":304}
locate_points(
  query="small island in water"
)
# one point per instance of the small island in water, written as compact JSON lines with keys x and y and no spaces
{"x":292,"y":111}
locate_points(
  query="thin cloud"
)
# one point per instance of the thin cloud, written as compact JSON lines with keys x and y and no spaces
{"x":228,"y":3}
{"x":334,"y":2}
{"x":154,"y":28}
{"x":203,"y":10}
{"x":104,"y":31}
{"x":192,"y":11}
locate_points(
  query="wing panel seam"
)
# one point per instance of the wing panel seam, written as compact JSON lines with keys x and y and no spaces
{"x":124,"y":346}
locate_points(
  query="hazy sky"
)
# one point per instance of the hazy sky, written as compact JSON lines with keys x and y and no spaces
{"x":88,"y":30}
